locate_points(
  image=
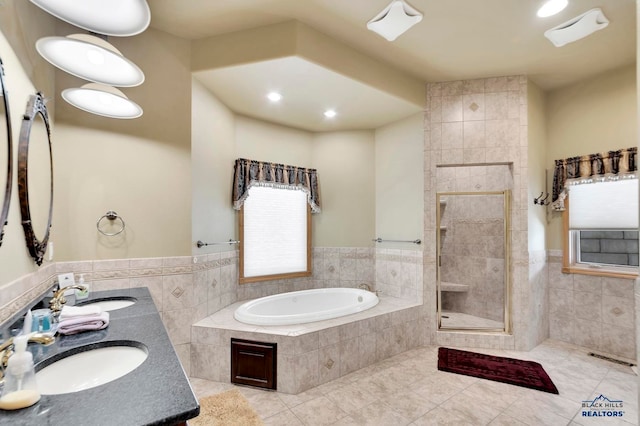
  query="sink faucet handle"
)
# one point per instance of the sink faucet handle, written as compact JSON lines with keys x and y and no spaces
{"x":58,"y":298}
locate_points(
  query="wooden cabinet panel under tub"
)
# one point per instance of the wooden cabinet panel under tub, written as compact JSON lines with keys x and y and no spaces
{"x":253,"y":363}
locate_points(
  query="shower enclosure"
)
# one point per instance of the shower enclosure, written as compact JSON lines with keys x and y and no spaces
{"x":473,"y":261}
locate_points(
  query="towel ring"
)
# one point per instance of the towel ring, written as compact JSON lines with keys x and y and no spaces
{"x":111,"y":215}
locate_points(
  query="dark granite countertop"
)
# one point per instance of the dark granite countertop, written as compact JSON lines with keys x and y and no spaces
{"x":156,"y":393}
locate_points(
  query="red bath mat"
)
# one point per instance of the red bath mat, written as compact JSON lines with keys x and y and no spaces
{"x":517,"y":372}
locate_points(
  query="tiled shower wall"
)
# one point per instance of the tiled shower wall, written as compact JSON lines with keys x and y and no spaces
{"x":186,"y":289}
{"x":591,"y":311}
{"x":478,"y":123}
{"x":473,"y":254}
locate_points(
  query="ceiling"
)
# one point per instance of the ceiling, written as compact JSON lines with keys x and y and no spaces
{"x":457,"y":39}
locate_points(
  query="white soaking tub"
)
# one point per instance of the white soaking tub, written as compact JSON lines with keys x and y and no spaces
{"x":298,"y":307}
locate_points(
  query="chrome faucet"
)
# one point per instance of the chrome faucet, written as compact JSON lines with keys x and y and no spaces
{"x":6,"y":349}
{"x":365,"y":286}
{"x":55,"y":304}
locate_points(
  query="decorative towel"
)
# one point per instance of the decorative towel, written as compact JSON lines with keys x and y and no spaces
{"x":84,"y":323}
{"x":79,"y":311}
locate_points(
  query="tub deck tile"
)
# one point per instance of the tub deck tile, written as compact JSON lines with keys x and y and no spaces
{"x":361,"y":339}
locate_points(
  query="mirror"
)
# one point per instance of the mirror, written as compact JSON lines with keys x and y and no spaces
{"x":35,"y":176}
{"x":6,"y":155}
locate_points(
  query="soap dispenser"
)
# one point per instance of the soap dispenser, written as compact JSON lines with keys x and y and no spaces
{"x":20,"y":387}
{"x":82,"y":294}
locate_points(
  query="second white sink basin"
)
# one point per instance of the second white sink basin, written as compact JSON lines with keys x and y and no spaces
{"x":86,"y":370}
{"x":110,"y":303}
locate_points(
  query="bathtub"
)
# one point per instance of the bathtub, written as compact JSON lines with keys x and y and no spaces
{"x":298,"y":307}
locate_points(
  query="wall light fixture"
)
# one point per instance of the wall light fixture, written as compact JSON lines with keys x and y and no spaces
{"x":90,"y":58}
{"x":102,"y":100}
{"x":113,"y":17}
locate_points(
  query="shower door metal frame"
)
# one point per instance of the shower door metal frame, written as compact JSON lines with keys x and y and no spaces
{"x":507,"y":327}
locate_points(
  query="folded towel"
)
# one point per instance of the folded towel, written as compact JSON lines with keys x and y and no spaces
{"x":84,"y":323}
{"x":79,"y":311}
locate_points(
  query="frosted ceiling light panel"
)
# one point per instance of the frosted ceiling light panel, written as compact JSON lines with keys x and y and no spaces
{"x":102,"y":100}
{"x":552,"y":7}
{"x":274,"y":97}
{"x":90,"y":58}
{"x":109,"y":17}
{"x":577,"y":28}
{"x":394,"y":20}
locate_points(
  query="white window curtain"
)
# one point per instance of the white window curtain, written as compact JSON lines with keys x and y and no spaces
{"x":604,"y":205}
{"x":275,"y":231}
{"x":597,"y":167}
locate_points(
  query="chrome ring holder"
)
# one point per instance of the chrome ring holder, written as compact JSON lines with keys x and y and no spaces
{"x":110,"y":215}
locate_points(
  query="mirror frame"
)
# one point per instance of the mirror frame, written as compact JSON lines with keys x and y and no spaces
{"x":4,"y":213}
{"x":35,"y":106}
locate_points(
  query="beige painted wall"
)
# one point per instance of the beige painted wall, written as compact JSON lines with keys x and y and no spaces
{"x":595,"y":115}
{"x":24,"y":73}
{"x":345,"y":163}
{"x":262,"y":141}
{"x":147,"y":183}
{"x":140,"y":168}
{"x":346,"y":169}
{"x":399,"y":177}
{"x":213,"y":152}
{"x":536,"y":162}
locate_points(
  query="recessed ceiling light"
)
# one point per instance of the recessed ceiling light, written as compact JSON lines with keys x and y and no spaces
{"x":91,"y":58}
{"x":551,"y":7}
{"x":274,"y":96}
{"x":102,"y":100}
{"x":330,"y":113}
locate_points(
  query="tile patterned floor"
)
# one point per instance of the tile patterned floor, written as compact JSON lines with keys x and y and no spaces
{"x":409,"y":390}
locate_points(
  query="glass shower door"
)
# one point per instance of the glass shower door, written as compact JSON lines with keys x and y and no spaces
{"x":473,"y":261}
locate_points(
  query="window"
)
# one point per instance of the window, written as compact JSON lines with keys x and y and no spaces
{"x":275,"y":234}
{"x":601,"y":228}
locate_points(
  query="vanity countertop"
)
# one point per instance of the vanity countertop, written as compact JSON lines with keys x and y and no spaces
{"x":156,"y":393}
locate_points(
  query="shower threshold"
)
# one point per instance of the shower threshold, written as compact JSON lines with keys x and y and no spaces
{"x":457,"y":320}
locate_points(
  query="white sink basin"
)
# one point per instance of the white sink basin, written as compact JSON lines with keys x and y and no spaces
{"x":111,"y":303}
{"x":86,"y":370}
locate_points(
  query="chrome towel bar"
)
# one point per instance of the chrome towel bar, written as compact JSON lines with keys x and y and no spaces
{"x":200,"y":244}
{"x":380,"y":240}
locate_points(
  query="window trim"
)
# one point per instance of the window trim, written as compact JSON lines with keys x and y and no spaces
{"x":246,"y":280}
{"x":573,"y":268}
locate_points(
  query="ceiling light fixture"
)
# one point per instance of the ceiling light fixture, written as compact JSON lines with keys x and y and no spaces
{"x":274,"y":97}
{"x":90,"y":58}
{"x":102,"y":100}
{"x":330,"y":113}
{"x":114,"y":17}
{"x":552,"y":7}
{"x":394,"y":20}
{"x":577,"y":28}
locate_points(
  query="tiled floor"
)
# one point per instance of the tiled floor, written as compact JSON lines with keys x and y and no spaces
{"x":409,"y":390}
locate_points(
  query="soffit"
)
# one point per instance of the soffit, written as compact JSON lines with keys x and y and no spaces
{"x":457,"y":39}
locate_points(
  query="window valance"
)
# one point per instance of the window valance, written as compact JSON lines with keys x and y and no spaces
{"x":592,"y":168}
{"x":248,"y":173}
